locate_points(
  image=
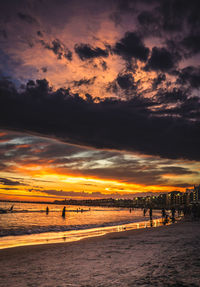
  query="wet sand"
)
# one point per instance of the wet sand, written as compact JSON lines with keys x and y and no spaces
{"x":162,"y":256}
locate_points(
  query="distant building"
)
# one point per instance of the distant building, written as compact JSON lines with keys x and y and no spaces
{"x":196,"y":193}
{"x":173,"y":198}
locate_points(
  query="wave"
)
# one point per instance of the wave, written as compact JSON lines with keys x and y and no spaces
{"x":62,"y":228}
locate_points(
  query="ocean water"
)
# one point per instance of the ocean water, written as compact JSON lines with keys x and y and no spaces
{"x":29,"y":224}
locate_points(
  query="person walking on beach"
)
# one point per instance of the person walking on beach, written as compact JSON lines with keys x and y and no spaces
{"x":163,"y":213}
{"x":150,"y":216}
{"x":150,"y":213}
{"x":173,"y":214}
{"x":166,"y":219}
{"x":63,"y":212}
{"x":47,"y":210}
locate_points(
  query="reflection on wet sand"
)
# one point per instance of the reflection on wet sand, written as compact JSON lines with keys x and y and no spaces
{"x":75,"y":235}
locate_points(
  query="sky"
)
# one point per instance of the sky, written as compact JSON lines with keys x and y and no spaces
{"x":98,"y":99}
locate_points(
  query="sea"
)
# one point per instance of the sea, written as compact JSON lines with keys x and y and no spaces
{"x":30,"y":224}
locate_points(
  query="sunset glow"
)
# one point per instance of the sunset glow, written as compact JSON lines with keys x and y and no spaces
{"x":98,"y":99}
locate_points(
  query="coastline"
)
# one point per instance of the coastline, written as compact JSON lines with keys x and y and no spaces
{"x":162,"y":256}
{"x":102,"y":236}
{"x":74,"y":234}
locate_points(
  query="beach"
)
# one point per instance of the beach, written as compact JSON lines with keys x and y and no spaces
{"x":162,"y":256}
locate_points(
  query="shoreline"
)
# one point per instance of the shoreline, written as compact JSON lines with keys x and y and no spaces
{"x":74,"y":235}
{"x":116,"y":233}
{"x":162,"y":256}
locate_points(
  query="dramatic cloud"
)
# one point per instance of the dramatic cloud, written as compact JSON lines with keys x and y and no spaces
{"x":131,"y":46}
{"x":6,"y":181}
{"x":125,"y":81}
{"x":157,"y":81}
{"x":59,"y":49}
{"x":121,"y":96}
{"x":174,"y":96}
{"x":84,"y":82}
{"x":190,"y":75}
{"x":125,"y":125}
{"x":161,"y":60}
{"x":85,"y":52}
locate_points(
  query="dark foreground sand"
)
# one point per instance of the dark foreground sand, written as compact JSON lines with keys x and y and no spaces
{"x":163,"y":256}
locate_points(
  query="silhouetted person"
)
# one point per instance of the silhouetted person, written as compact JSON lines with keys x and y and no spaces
{"x":163,"y":213}
{"x":47,"y":210}
{"x":63,"y":212}
{"x":144,"y":211}
{"x":166,"y":219}
{"x":173,"y":214}
{"x":150,"y":213}
{"x":130,"y":210}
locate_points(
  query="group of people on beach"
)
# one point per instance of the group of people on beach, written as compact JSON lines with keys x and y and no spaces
{"x":64,"y":211}
{"x":165,"y":216}
{"x":192,"y":211}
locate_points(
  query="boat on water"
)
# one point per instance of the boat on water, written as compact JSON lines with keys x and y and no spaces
{"x":4,"y":210}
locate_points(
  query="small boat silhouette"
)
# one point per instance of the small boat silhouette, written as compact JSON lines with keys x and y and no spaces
{"x":4,"y":210}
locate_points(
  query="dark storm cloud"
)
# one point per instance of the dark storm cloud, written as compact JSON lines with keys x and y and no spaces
{"x":161,"y":60}
{"x":58,"y":48}
{"x":188,"y":109}
{"x":6,"y":181}
{"x":114,"y":124}
{"x":131,"y":46}
{"x":159,"y":80}
{"x":173,"y":96}
{"x":190,"y":75}
{"x":84,"y":82}
{"x":86,"y":51}
{"x":125,"y":81}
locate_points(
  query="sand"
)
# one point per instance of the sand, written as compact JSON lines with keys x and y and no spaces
{"x":162,"y":256}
